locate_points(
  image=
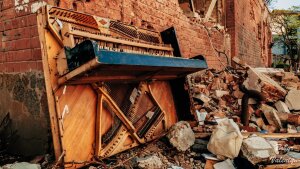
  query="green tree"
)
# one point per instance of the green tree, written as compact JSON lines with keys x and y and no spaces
{"x":284,"y":24}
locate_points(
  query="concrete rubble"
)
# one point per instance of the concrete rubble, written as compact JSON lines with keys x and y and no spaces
{"x":263,"y":101}
{"x":257,"y":149}
{"x":292,"y":99}
{"x":227,"y":164}
{"x":181,"y":136}
{"x":282,"y":107}
{"x":260,"y":82}
{"x":22,"y":165}
{"x":149,"y":162}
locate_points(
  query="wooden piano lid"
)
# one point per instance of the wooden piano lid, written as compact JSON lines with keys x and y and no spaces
{"x":109,"y":65}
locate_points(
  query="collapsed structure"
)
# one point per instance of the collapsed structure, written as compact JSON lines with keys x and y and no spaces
{"x":28,"y":41}
{"x":260,"y":102}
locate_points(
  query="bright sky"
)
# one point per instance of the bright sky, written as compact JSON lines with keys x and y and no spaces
{"x":285,"y":4}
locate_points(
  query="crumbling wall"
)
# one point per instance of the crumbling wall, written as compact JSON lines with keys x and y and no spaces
{"x":247,"y":22}
{"x":23,"y":101}
{"x":23,"y":98}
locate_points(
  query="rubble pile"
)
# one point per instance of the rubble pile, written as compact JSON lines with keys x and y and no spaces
{"x":263,"y":103}
{"x":254,"y":100}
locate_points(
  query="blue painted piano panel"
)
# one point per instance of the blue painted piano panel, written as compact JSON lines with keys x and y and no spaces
{"x":133,"y":59}
{"x":122,"y":66}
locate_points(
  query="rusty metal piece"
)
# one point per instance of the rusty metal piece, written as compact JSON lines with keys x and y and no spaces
{"x":245,"y":115}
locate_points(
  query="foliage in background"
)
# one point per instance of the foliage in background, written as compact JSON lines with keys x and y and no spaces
{"x":285,"y":24}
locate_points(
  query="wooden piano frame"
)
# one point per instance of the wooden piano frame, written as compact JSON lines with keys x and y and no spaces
{"x":81,"y":108}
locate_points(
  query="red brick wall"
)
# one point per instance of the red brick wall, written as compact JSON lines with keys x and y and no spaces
{"x":20,"y":49}
{"x":248,"y":27}
{"x":22,"y":87}
{"x":19,"y":42}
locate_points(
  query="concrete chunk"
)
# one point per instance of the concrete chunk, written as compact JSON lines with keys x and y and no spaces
{"x":271,"y":116}
{"x":270,"y":89}
{"x":202,"y":97}
{"x":282,"y":107}
{"x":292,"y":100}
{"x":227,"y":164}
{"x":22,"y":165}
{"x":150,"y":162}
{"x":291,"y":129}
{"x":181,"y":136}
{"x":220,"y":93}
{"x":257,"y":149}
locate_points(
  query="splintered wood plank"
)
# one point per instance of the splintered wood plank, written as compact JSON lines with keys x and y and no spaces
{"x":41,"y":20}
{"x":53,"y":49}
{"x":98,"y":124}
{"x":77,"y":107}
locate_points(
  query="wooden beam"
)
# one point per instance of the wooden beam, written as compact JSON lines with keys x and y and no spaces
{"x":282,"y":166}
{"x":127,"y":123}
{"x":192,"y":6}
{"x":41,"y":20}
{"x":61,"y":62}
{"x":98,"y":123}
{"x":87,"y":66}
{"x":121,"y":78}
{"x":210,"y":9}
{"x":273,"y":135}
{"x":247,"y":134}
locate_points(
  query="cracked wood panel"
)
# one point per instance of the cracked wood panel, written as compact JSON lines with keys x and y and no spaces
{"x":77,"y":106}
{"x":76,"y":136}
